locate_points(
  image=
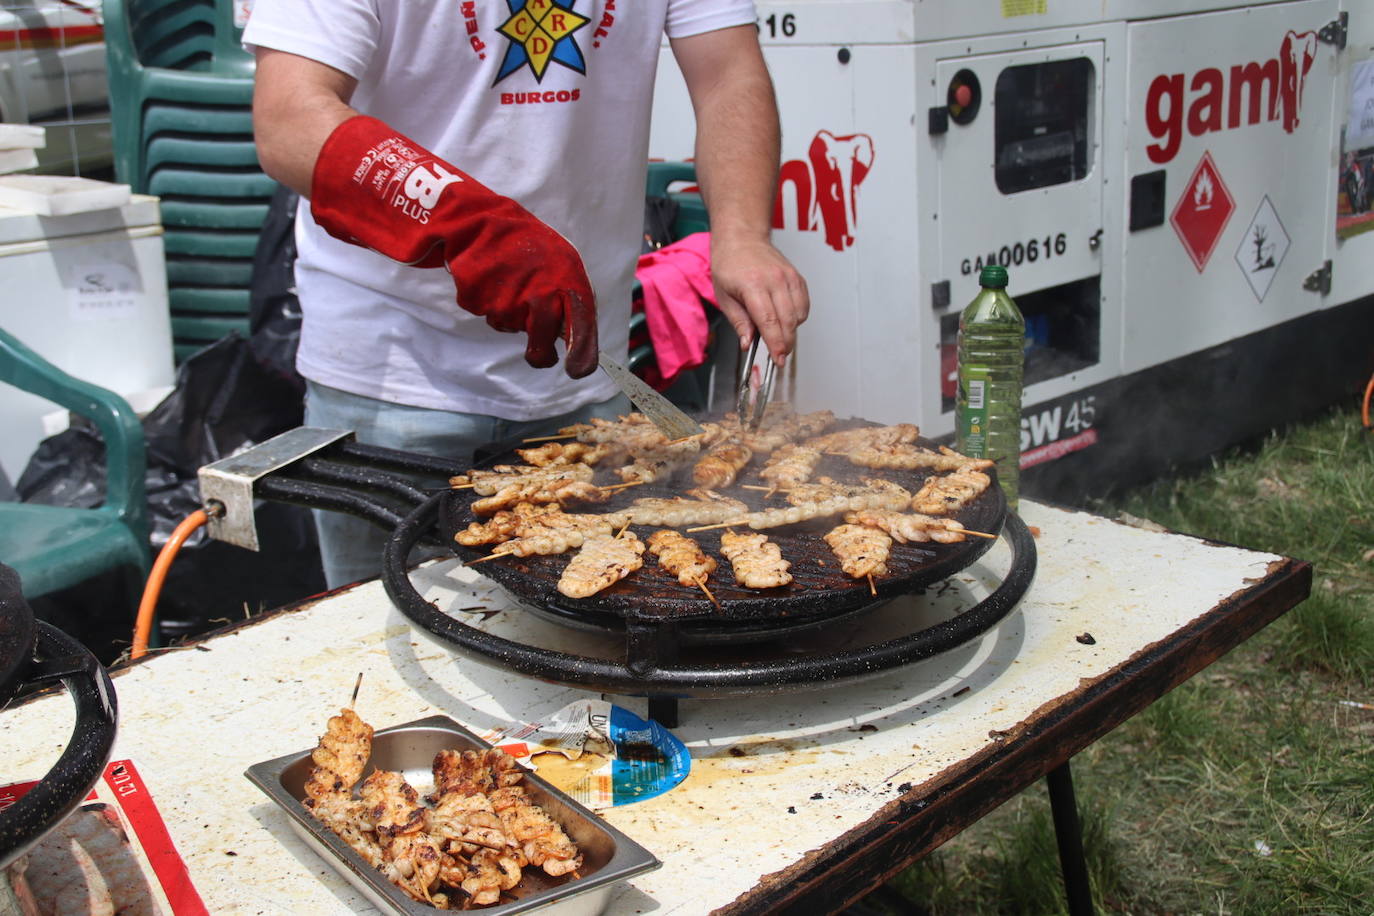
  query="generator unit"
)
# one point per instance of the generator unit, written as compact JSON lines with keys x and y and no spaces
{"x":1168,"y":184}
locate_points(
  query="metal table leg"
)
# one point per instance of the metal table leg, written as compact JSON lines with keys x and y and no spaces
{"x":1069,"y":834}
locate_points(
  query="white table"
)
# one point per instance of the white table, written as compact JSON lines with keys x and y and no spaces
{"x":798,"y":802}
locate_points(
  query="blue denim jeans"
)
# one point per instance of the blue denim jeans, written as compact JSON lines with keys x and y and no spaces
{"x":350,"y":548}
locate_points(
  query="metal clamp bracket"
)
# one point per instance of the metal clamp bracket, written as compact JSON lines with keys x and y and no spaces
{"x":228,"y":483}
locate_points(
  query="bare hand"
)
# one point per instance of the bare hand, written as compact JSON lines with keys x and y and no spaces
{"x":756,"y":287}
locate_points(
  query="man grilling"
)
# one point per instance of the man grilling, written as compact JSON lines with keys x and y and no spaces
{"x":478,"y":165}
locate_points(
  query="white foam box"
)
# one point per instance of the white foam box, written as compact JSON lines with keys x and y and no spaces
{"x":17,"y":160}
{"x":22,"y":136}
{"x":87,"y":291}
{"x":60,"y":195}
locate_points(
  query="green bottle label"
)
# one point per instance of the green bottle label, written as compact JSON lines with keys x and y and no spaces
{"x":973,"y":418}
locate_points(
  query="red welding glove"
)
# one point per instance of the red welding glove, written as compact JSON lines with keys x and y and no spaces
{"x":376,"y":188}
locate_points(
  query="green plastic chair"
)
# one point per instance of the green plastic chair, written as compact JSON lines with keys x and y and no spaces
{"x":181,"y":93}
{"x":691,"y":209}
{"x":55,"y":547}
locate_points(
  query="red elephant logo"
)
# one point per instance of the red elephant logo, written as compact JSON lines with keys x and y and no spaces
{"x":825,"y":186}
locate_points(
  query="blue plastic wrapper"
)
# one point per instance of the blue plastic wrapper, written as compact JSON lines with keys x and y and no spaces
{"x":600,"y":754}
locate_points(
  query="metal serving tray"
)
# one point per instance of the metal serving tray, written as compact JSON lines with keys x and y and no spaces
{"x":608,"y":856}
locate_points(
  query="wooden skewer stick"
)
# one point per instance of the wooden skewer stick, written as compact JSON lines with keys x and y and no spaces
{"x":490,"y":556}
{"x":701,"y":584}
{"x":712,"y":527}
{"x":753,"y":486}
{"x":622,"y":486}
{"x":977,"y":534}
{"x":872,"y":589}
{"x":356,"y":684}
{"x":550,"y":438}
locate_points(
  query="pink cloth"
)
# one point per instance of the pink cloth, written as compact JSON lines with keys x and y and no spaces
{"x":675,"y":279}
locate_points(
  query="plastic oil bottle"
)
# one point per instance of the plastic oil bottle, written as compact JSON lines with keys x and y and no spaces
{"x":992,"y":341}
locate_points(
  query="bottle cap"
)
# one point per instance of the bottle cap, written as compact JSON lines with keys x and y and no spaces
{"x":993,"y":276}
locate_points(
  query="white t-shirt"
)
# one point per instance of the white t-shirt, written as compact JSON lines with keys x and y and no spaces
{"x":542,"y":101}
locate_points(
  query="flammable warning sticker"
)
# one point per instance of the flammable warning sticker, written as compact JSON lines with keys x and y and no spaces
{"x":1024,"y":7}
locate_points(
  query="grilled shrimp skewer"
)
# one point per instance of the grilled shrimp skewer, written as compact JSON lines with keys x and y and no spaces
{"x":720,"y":465}
{"x":681,"y":556}
{"x":699,"y":507}
{"x":950,"y":493}
{"x":532,"y":530}
{"x":824,"y":499}
{"x":862,"y":551}
{"x":905,"y":528}
{"x":757,"y":561}
{"x":554,"y":454}
{"x":790,"y":466}
{"x":393,"y":807}
{"x":603,"y":561}
{"x":488,"y":481}
{"x":539,"y":492}
{"x":482,"y":830}
{"x":538,"y":836}
{"x":340,"y":756}
{"x":478,"y":851}
{"x":910,"y":457}
{"x":848,"y":440}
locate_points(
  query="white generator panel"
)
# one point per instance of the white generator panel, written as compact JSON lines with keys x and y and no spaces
{"x":1160,"y":182}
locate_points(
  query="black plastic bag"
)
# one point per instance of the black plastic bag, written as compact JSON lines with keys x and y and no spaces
{"x":659,"y":215}
{"x":274,"y":312}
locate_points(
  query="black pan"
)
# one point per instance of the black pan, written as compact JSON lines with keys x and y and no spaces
{"x":819,"y":586}
{"x":34,"y":654}
{"x":18,"y":635}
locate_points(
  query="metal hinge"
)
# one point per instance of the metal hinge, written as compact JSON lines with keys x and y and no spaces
{"x":939,"y":295}
{"x":937,"y":122}
{"x":1334,"y":32}
{"x":1319,"y":280}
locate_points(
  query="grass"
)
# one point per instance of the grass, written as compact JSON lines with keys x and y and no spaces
{"x":1250,"y":788}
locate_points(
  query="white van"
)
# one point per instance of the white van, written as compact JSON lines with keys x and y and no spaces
{"x":52,"y":73}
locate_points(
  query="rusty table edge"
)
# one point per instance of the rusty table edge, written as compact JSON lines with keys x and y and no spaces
{"x":928,"y":815}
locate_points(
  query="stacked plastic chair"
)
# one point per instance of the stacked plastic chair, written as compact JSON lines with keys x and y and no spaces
{"x":181,"y":89}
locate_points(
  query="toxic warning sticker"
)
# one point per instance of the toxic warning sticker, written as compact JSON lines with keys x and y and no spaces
{"x":1201,"y":214}
{"x":1262,"y":248}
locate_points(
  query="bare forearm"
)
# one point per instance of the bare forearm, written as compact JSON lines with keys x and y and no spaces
{"x":737,"y":141}
{"x":297,"y":104}
{"x":737,"y":152}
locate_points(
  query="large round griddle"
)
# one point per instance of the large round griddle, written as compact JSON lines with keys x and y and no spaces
{"x":651,"y":665}
{"x":661,"y":619}
{"x":819,"y":587}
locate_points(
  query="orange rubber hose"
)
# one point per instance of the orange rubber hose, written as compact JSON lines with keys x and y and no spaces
{"x":1364,"y":410}
{"x":143,"y":626}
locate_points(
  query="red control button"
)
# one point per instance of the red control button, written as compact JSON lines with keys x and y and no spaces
{"x":963,"y":95}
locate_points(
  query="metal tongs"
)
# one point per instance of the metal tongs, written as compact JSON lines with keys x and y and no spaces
{"x":755,"y":387}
